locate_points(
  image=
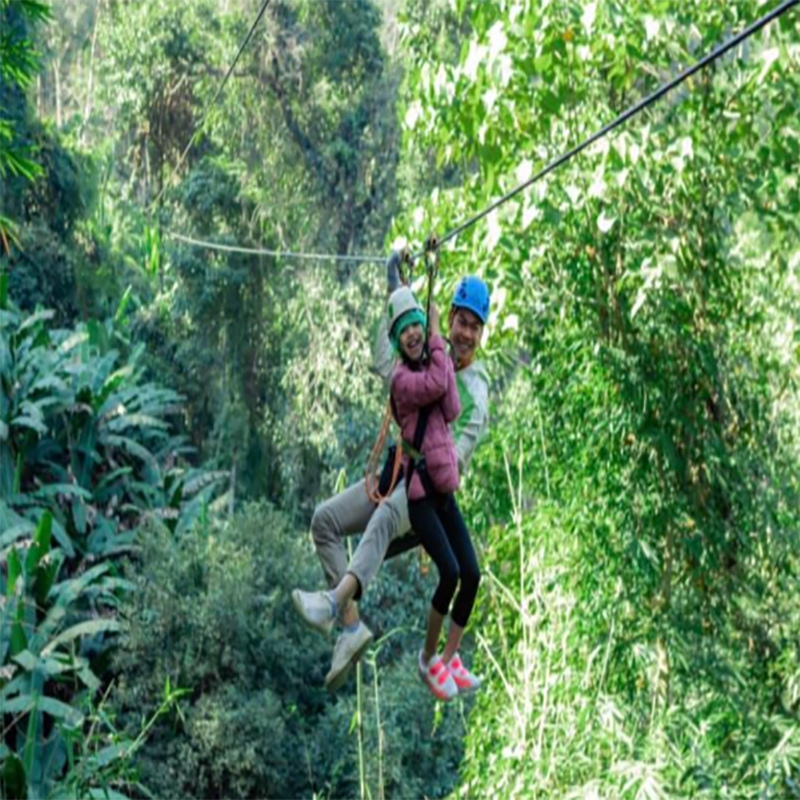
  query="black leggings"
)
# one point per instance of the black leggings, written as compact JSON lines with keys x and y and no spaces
{"x":445,"y":537}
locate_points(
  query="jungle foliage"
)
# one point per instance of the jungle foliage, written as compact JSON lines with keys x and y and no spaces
{"x":643,"y":557}
{"x":170,"y":415}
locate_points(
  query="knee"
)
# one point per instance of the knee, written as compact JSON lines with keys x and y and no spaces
{"x":449,"y":576}
{"x":471,"y":578}
{"x":321,"y":524}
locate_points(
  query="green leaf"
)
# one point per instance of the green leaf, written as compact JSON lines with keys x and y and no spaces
{"x":83,"y":629}
{"x":62,"y":537}
{"x":105,"y":793}
{"x":13,"y":777}
{"x":34,"y":423}
{"x":97,"y":335}
{"x":26,"y":660}
{"x":68,"y":489}
{"x":126,"y":421}
{"x":89,"y":679}
{"x":3,"y":289}
{"x":41,"y":543}
{"x":79,"y":517}
{"x":45,"y":577}
{"x":18,"y":639}
{"x":110,"y":753}
{"x":34,"y":319}
{"x":15,"y":532}
{"x":55,"y":708}
{"x":14,"y":571}
{"x":131,"y":446}
{"x":123,"y":305}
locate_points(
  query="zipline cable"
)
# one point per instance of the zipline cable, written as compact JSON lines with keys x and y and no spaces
{"x":257,"y":251}
{"x":553,"y":165}
{"x":214,"y":99}
{"x":621,"y":119}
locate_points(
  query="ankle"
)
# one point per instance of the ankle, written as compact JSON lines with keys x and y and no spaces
{"x":352,"y":628}
{"x":428,"y":658}
{"x":334,"y":604}
{"x":350,"y":615}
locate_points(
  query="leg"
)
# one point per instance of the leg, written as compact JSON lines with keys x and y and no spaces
{"x":431,"y":667}
{"x":470,"y":579}
{"x":427,"y":523}
{"x":461,"y":544}
{"x":388,"y":522}
{"x":347,"y":513}
{"x":453,"y":641}
{"x":435,"y":622}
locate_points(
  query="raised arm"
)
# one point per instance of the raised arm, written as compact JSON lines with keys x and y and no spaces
{"x":383,"y":356}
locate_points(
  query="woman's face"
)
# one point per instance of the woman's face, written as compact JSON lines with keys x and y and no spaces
{"x":412,"y":342}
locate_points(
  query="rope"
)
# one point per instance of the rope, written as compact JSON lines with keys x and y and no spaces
{"x":371,"y":476}
{"x":432,"y":269}
{"x":621,"y":119}
{"x":257,"y":251}
{"x":199,"y":126}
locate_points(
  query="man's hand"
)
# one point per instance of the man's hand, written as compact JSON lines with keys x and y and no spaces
{"x":393,"y":271}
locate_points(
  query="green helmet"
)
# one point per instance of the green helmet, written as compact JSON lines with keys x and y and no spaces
{"x":404,"y":310}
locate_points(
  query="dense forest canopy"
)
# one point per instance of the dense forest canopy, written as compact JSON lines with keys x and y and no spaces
{"x":171,"y":414}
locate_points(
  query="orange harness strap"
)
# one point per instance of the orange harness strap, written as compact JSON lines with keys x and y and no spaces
{"x":372,"y":476}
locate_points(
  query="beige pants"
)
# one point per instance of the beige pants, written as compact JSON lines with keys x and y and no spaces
{"x":352,"y":512}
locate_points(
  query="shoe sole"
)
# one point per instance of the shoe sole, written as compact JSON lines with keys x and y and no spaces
{"x":338,"y":680}
{"x":298,"y":606}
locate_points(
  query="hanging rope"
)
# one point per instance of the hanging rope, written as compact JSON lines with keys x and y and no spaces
{"x":199,"y":126}
{"x":621,"y":119}
{"x":432,"y":270}
{"x":372,"y":475}
{"x":257,"y":251}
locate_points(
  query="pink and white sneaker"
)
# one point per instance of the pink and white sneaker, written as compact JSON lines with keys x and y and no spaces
{"x":438,"y":678}
{"x":464,"y":679}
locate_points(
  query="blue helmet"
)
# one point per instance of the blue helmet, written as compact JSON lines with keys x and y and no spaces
{"x":473,"y":294}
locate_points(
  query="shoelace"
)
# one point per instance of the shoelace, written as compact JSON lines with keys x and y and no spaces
{"x":439,"y":671}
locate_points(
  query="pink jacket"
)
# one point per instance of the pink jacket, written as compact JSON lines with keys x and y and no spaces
{"x":412,"y":389}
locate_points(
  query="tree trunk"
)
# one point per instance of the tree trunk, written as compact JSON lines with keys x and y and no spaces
{"x":87,"y":109}
{"x":57,"y":80}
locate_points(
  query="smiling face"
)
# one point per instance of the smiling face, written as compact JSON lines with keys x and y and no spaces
{"x":466,"y":331}
{"x":412,"y":341}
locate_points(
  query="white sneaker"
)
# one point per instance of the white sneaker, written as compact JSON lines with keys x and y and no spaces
{"x":438,"y":678}
{"x":348,"y":649}
{"x":315,"y":609}
{"x":465,"y":680}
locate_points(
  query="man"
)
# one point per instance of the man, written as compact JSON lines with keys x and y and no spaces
{"x":352,"y":511}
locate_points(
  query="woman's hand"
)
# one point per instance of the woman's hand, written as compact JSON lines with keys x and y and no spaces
{"x":434,"y":320}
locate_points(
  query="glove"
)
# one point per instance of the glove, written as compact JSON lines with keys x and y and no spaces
{"x":393,"y":271}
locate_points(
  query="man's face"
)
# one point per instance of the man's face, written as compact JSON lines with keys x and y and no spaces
{"x":466,"y":330}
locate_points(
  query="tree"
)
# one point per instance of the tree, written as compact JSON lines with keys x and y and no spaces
{"x":651,"y":398}
{"x":18,"y":65}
